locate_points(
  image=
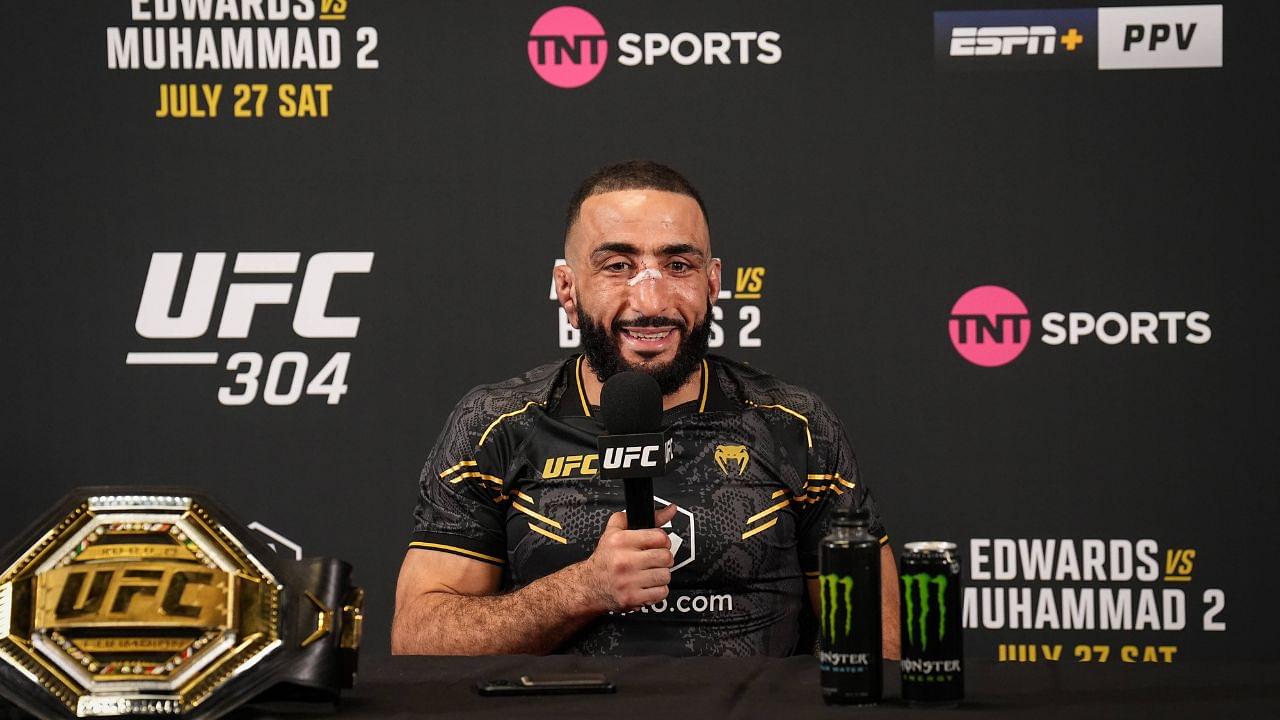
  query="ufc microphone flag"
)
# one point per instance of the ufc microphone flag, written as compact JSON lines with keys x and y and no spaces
{"x":633,"y":456}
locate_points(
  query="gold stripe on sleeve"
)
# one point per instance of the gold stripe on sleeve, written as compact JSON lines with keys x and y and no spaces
{"x":768,"y":511}
{"x":474,"y":474}
{"x":457,"y":550}
{"x":760,"y":529}
{"x":536,"y":516}
{"x":459,"y":466}
{"x":548,"y":533}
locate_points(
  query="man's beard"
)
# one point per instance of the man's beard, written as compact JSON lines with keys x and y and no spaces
{"x":606,"y":359}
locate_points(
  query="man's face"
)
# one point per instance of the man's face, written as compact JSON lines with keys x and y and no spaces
{"x":640,"y":283}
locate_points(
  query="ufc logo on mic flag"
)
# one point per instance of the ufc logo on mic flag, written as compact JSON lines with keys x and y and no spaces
{"x":642,"y":455}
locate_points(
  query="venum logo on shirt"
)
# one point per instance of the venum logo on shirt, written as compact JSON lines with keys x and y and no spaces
{"x":736,"y":455}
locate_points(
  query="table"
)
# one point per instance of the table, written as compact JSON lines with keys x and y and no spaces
{"x":711,"y":688}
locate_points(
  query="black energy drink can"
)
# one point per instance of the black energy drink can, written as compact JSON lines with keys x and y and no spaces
{"x":932,"y":646}
{"x":849,"y":652}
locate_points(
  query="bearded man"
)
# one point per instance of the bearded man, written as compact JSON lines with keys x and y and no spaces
{"x":518,"y":547}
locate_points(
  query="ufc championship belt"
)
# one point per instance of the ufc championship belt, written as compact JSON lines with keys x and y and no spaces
{"x":149,"y":602}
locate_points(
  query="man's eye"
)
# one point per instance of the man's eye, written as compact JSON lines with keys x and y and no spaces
{"x":679,"y":266}
{"x":617,"y":266}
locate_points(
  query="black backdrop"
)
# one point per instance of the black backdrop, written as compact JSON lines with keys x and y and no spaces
{"x":874,"y":183}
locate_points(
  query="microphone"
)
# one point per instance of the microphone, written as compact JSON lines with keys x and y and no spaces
{"x":634,"y":449}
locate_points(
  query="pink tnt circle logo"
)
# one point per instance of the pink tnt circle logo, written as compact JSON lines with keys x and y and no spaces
{"x":567,"y":47}
{"x":989,"y":326}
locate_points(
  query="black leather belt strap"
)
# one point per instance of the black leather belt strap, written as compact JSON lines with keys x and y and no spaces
{"x":328,"y":621}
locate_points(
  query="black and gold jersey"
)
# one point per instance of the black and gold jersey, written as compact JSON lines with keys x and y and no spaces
{"x":758,"y":466}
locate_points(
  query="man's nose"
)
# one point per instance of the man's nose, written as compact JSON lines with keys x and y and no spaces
{"x":651,"y":297}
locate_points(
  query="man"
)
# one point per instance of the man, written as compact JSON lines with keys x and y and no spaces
{"x":520,"y":548}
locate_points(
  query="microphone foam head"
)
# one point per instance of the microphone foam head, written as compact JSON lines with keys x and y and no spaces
{"x":631,"y":402}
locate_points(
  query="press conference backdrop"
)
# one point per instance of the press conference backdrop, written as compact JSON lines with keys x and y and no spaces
{"x":1029,"y":257}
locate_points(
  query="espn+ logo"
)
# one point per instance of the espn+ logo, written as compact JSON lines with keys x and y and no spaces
{"x":280,"y":378}
{"x":990,"y":326}
{"x":568,"y":47}
{"x":1037,"y":39}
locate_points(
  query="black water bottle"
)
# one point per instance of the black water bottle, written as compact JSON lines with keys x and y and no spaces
{"x":849,"y":586}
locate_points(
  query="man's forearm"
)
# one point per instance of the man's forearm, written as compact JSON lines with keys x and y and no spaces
{"x":536,"y":619}
{"x":891,"y":630}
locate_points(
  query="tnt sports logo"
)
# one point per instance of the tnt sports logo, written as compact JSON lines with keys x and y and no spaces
{"x":924,"y":600}
{"x":568,"y":47}
{"x":242,"y":302}
{"x":990,"y":326}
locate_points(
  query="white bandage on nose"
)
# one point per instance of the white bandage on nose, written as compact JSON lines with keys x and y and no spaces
{"x":643,"y":275}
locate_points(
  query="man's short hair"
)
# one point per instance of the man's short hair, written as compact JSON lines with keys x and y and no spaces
{"x":631,"y":175}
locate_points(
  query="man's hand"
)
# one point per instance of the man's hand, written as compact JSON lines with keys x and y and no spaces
{"x":631,"y":568}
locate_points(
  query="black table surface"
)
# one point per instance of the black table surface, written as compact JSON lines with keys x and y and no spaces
{"x":658,"y":688}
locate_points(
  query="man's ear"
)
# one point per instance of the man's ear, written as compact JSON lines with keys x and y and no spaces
{"x":562,"y":277}
{"x":713,"y":279}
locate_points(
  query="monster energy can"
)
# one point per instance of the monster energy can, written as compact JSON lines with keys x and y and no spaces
{"x":932,"y":649}
{"x":849,"y":583}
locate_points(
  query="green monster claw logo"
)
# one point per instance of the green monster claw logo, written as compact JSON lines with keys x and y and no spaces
{"x":916,"y":588}
{"x":829,"y":585}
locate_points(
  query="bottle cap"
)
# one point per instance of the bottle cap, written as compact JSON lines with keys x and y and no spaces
{"x":851,"y":517}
